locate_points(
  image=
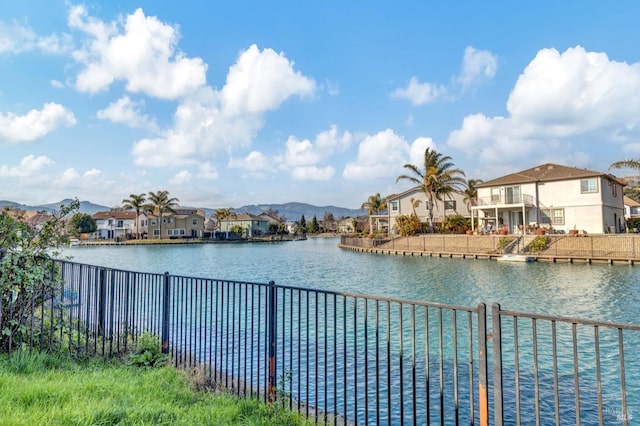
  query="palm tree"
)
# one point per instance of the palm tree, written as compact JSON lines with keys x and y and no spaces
{"x":221,"y":214}
{"x":471,"y":192}
{"x":374,"y":205}
{"x":626,"y":164}
{"x":438,"y":178}
{"x":161,"y":203}
{"x":415,"y":203}
{"x":135,"y":202}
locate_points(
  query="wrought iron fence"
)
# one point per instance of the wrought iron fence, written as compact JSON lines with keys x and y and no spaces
{"x":343,"y":358}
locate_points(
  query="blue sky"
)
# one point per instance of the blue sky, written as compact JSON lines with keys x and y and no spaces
{"x":231,"y":103}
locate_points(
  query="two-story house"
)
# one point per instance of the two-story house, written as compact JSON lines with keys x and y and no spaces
{"x":252,"y":225}
{"x":552,"y":196}
{"x":415,"y":201}
{"x":119,"y":224}
{"x":182,"y":223}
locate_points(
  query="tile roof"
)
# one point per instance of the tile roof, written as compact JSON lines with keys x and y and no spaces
{"x":545,"y":173}
{"x":630,"y":202}
{"x":115,"y":214}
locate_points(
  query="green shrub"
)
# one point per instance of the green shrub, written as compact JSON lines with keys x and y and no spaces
{"x":538,"y":244}
{"x":147,"y":352}
{"x":504,"y":242}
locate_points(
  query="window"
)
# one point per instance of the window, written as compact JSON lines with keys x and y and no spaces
{"x":110,"y":222}
{"x":553,"y":216}
{"x":120,"y":224}
{"x":156,"y":232}
{"x":194,"y":222}
{"x":495,"y":194}
{"x":426,"y":205}
{"x":394,"y":206}
{"x":588,"y":185}
{"x":449,"y":204}
{"x":153,"y":222}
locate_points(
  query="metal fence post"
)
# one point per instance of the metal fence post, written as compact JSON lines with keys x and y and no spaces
{"x":271,"y":318}
{"x":483,"y":380}
{"x":496,"y":332}
{"x":165,"y":314}
{"x":102,"y":294}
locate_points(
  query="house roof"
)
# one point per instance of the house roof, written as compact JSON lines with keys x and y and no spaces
{"x":546,"y":173}
{"x":630,"y":202}
{"x":242,"y":216}
{"x":404,"y":193}
{"x":115,"y":214}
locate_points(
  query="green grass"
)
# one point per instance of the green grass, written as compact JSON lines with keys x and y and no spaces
{"x":40,"y":389}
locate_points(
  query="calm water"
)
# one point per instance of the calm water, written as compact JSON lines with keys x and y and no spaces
{"x":600,"y":292}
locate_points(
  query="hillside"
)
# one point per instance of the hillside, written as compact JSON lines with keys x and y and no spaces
{"x":291,"y":211}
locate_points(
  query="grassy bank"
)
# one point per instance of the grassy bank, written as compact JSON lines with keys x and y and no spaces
{"x":45,"y":389}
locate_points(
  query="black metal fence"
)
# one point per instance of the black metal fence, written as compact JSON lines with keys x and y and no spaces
{"x":344,"y":358}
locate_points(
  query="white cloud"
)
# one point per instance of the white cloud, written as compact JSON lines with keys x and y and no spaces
{"x":29,"y":166}
{"x":126,"y":111}
{"x":57,"y":84}
{"x":558,"y":97}
{"x":139,"y":50}
{"x":262,"y":80}
{"x":69,"y":177}
{"x":418,"y":147}
{"x":299,"y":153}
{"x":35,"y":124}
{"x":180,"y":178}
{"x":379,"y":156}
{"x":207,"y":171}
{"x":477,"y":65}
{"x":313,"y":173}
{"x":419,"y":93}
{"x":330,"y":141}
{"x":207,"y":121}
{"x":17,"y":38}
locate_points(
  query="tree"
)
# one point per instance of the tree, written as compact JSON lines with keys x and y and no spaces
{"x":374,"y":205}
{"x":314,"y":227}
{"x":415,"y":203}
{"x":28,"y":276}
{"x":470,"y":192}
{"x":159,"y":204}
{"x":626,"y":164}
{"x":135,"y":202}
{"x":408,"y":225}
{"x":81,"y":223}
{"x":302,"y":226}
{"x":221,"y":214}
{"x":437,"y":177}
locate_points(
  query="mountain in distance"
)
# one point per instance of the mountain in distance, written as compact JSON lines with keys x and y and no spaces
{"x":85,"y":206}
{"x":293,"y":211}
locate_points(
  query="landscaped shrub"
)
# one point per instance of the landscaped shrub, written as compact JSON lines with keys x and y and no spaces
{"x":538,"y":244}
{"x":504,"y":242}
{"x":408,"y":225}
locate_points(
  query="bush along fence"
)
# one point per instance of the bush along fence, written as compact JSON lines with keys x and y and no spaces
{"x":344,"y":358}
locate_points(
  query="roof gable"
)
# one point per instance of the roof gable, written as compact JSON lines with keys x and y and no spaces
{"x":546,"y":173}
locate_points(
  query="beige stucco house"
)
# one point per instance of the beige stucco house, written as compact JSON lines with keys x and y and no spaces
{"x":552,"y":196}
{"x":252,"y":225}
{"x":184,"y":223}
{"x":403,"y":204}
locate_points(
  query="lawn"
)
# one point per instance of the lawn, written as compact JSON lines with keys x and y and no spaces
{"x":40,"y":389}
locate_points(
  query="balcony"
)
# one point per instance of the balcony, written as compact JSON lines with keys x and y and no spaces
{"x":508,"y":200}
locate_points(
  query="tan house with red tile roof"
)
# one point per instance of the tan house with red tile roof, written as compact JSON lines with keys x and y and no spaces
{"x":552,"y":196}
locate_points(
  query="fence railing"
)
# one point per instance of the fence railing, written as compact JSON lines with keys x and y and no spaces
{"x":345,"y":358}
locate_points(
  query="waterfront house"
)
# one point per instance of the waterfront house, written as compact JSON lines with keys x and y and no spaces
{"x":414,"y":200}
{"x":631,"y":209}
{"x":252,"y":225}
{"x":551,"y":196}
{"x":119,"y":224}
{"x":182,"y":223}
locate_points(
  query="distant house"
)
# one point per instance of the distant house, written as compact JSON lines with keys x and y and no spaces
{"x":414,"y":200}
{"x":552,"y":196}
{"x":184,"y":223}
{"x":631,"y":208}
{"x":119,"y":224}
{"x":252,"y":225}
{"x":348,"y":225}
